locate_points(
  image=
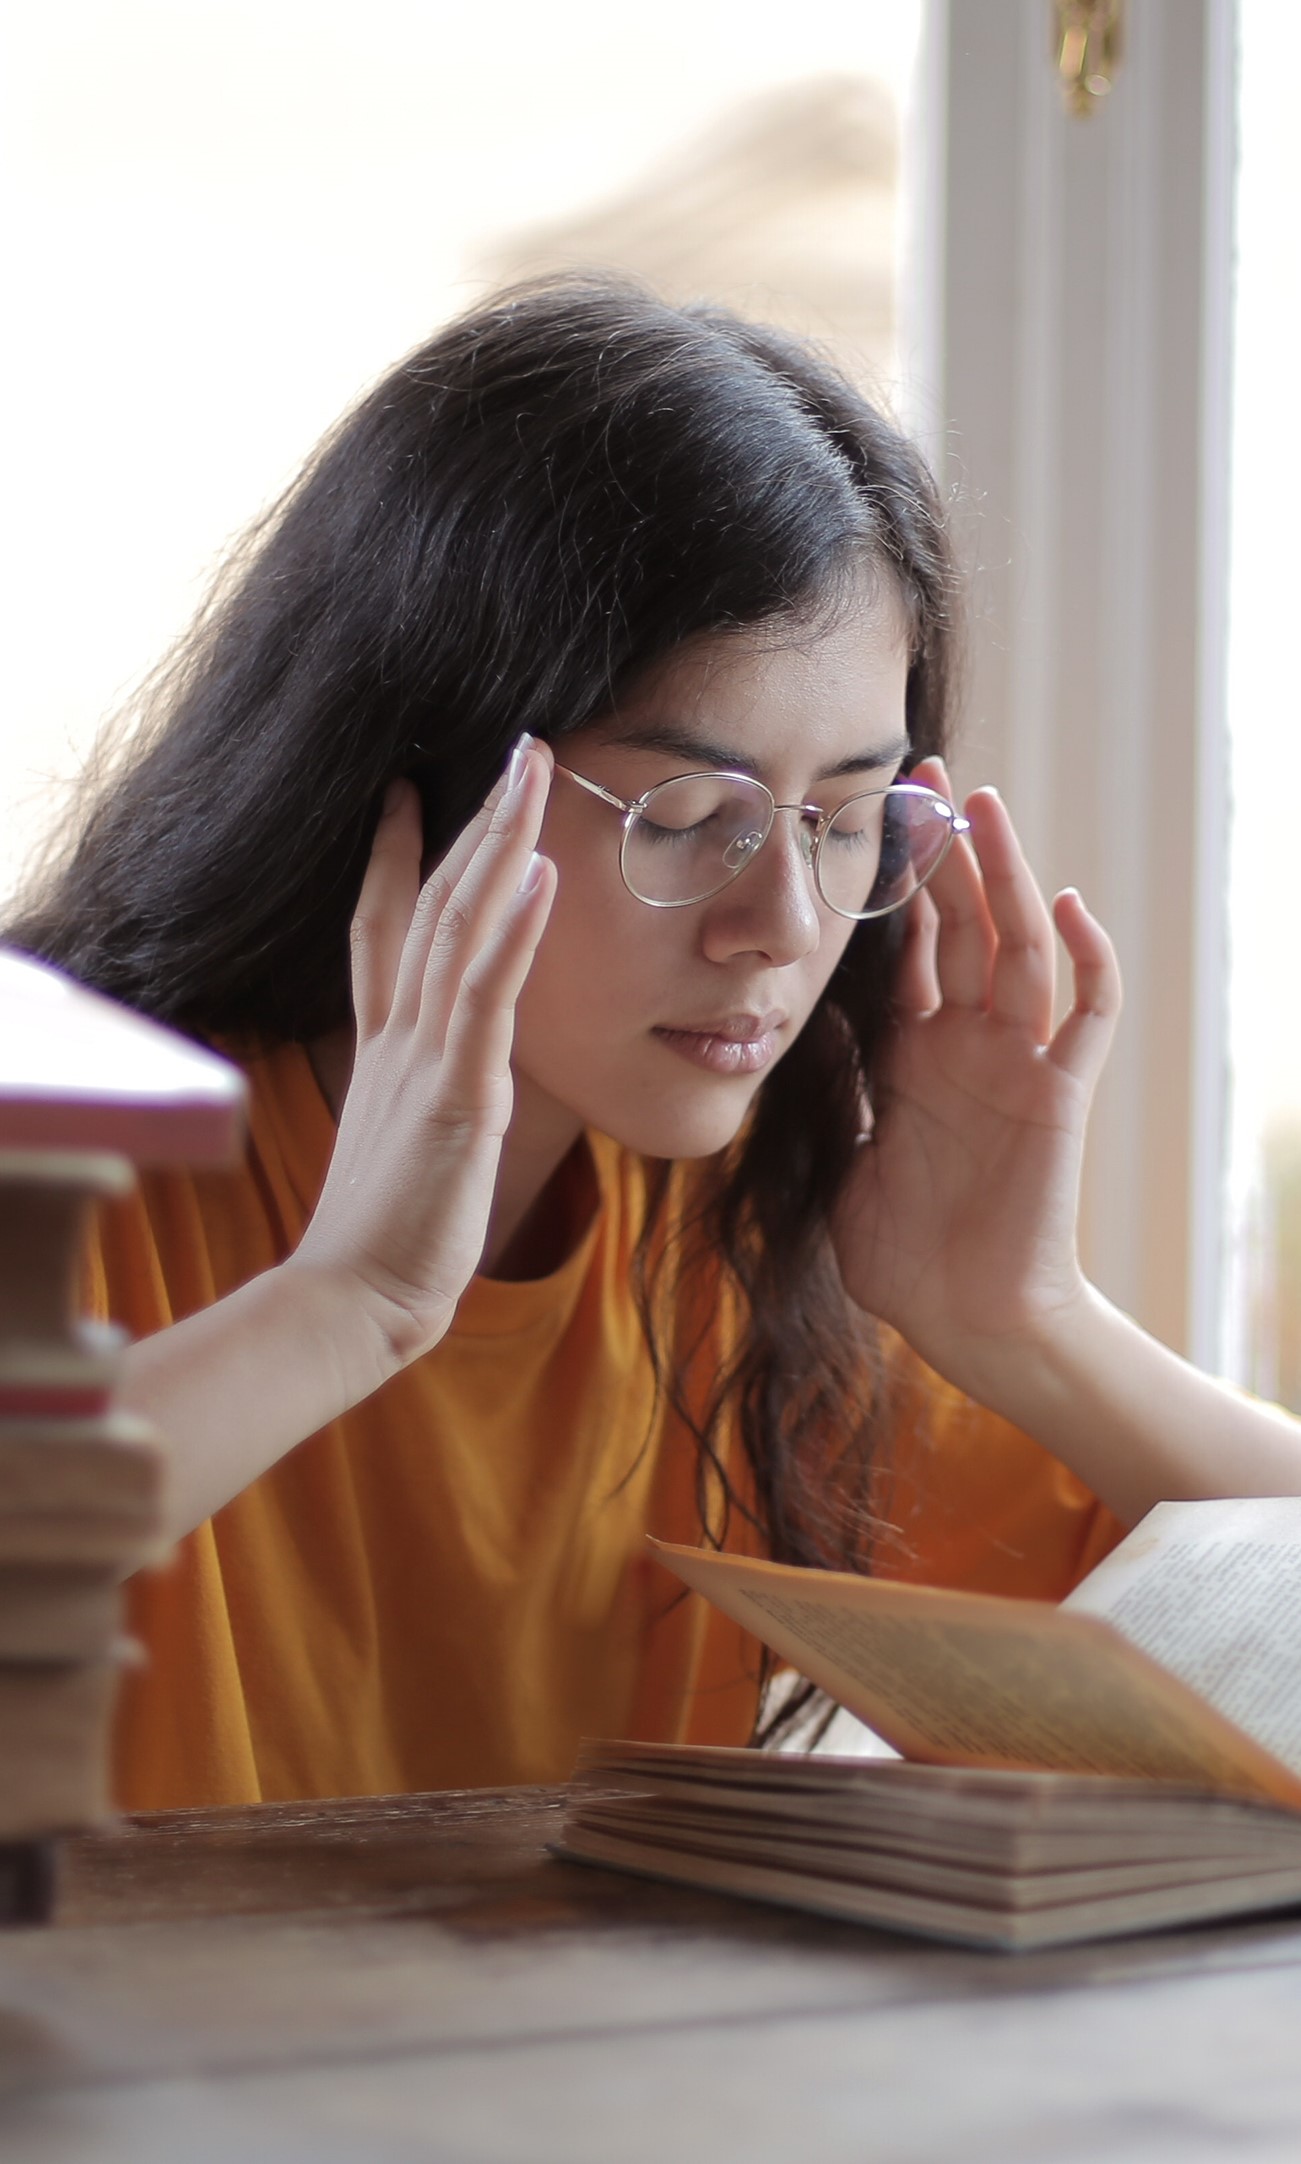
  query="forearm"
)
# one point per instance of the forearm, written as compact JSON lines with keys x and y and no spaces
{"x":234,"y":1388}
{"x":1138,"y":1424}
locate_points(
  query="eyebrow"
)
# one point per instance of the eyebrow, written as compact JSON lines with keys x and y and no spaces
{"x":681,"y":743}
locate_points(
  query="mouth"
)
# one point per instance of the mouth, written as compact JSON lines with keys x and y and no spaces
{"x":735,"y":1044}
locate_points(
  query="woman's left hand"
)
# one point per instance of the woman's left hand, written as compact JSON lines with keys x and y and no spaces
{"x":957,"y":1225}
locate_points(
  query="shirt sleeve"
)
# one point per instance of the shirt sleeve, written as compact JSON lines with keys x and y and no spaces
{"x":968,"y":1501}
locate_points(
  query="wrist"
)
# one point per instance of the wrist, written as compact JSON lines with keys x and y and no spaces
{"x":340,"y":1320}
{"x":1083,"y":1383}
{"x":239,"y":1383}
{"x":1034,"y":1376}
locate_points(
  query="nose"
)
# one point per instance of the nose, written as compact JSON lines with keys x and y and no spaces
{"x":771,"y":907}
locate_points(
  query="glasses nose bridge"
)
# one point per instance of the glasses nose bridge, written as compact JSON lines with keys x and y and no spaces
{"x":812,"y":820}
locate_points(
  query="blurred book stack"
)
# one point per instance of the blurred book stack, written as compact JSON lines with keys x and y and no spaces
{"x":87,"y":1091}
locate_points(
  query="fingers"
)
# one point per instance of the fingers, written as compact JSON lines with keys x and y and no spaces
{"x":481,"y":1027}
{"x":1081,"y":1045}
{"x":1023,"y":964}
{"x":966,"y":946}
{"x":994,"y":951}
{"x":452,"y":865}
{"x":916,"y":989}
{"x":384,"y":907}
{"x":463,"y":900}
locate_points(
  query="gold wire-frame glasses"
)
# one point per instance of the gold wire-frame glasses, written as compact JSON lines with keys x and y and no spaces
{"x":687,"y":838}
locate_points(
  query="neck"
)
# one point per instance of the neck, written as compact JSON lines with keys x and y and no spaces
{"x":545,"y":1189}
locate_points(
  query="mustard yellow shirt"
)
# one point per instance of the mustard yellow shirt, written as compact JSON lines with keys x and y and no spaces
{"x":448,"y":1586}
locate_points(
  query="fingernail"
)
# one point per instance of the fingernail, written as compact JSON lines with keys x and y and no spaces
{"x":518,"y":757}
{"x":532,"y":874}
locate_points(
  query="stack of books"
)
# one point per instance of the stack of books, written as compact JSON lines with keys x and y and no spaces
{"x":1125,"y":1762}
{"x":86,"y":1091}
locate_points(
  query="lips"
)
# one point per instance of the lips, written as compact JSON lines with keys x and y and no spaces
{"x":732,"y":1028}
{"x":731,"y":1044}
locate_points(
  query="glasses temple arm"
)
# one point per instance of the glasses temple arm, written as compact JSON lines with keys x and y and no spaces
{"x":594,"y":788}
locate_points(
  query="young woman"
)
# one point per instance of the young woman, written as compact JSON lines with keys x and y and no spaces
{"x":690,"y":1106}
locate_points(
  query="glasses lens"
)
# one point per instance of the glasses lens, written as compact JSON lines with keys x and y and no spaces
{"x":879,"y":849}
{"x":693,"y":834}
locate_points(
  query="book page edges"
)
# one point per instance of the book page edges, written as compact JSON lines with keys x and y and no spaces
{"x":1003,"y":1654}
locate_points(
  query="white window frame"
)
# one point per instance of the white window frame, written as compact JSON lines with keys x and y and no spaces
{"x":1070,"y":330}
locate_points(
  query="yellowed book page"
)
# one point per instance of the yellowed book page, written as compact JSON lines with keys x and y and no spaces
{"x":1212,"y":1590}
{"x":965,"y":1679}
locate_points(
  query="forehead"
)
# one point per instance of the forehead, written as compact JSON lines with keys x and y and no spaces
{"x":827,"y":691}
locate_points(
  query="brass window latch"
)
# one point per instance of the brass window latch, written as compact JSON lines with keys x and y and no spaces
{"x":1087,"y":44}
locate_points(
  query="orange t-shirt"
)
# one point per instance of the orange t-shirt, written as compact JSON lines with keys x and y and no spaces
{"x":448,"y":1586}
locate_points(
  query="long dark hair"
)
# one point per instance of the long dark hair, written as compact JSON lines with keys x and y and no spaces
{"x":506,"y":533}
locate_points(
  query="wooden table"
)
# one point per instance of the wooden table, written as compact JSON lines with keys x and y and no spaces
{"x":393,"y":1979}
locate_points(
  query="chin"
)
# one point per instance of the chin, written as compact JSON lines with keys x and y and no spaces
{"x":694,"y":1119}
{"x":679,"y":1131}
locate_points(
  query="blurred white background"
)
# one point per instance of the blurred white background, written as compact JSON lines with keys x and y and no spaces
{"x":1264,"y":1186}
{"x":226,"y":218}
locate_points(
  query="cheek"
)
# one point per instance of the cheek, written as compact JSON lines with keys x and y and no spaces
{"x":822,"y":965}
{"x":590,"y":960}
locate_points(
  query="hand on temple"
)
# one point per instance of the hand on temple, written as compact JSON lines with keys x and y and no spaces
{"x":437,"y":968}
{"x":400,"y":1224}
{"x":958,"y":1225}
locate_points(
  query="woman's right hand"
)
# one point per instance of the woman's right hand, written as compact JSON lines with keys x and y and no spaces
{"x":437,"y":967}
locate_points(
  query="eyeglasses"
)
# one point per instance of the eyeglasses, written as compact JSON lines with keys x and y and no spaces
{"x":688,"y":838}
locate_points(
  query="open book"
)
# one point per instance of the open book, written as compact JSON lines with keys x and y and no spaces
{"x":1129,"y":1759}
